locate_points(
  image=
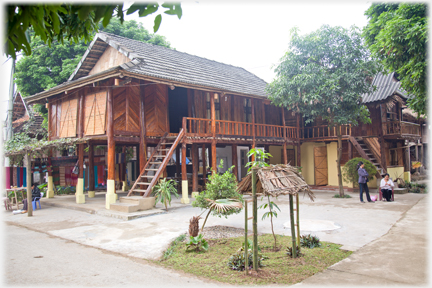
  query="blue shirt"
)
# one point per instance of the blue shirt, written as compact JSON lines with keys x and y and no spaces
{"x":363,"y":174}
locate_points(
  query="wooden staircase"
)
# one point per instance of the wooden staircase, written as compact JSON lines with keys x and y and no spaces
{"x":156,"y":164}
{"x":365,"y":153}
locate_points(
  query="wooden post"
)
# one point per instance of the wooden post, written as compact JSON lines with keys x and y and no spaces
{"x":213,"y":128}
{"x":246,"y":237}
{"x":350,"y":150}
{"x":185,"y":189}
{"x":123,"y":170}
{"x":298,"y":154}
{"x":110,"y":197}
{"x":298,"y":220}
{"x":253,"y":123}
{"x":293,"y":233}
{"x":254,"y":221}
{"x":194,"y":168}
{"x":204,"y":160}
{"x":235,"y":160}
{"x":79,"y":194}
{"x":142,"y":145}
{"x":267,"y":150}
{"x":91,"y":193}
{"x":178,"y":169}
{"x":29,"y":182}
{"x":50,"y":188}
{"x":417,"y":155}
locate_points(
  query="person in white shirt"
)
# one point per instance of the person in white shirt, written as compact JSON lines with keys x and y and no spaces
{"x":386,"y":187}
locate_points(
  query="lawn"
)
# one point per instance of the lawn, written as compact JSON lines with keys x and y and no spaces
{"x":279,"y":267}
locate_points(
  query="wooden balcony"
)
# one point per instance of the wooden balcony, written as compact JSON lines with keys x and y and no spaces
{"x":203,"y":128}
{"x":399,"y":128}
{"x":324,"y":131}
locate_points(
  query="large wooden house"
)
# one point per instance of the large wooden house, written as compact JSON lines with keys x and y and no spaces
{"x":173,"y":105}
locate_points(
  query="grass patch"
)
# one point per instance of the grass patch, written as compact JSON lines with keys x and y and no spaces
{"x":279,"y":267}
{"x":344,"y":196}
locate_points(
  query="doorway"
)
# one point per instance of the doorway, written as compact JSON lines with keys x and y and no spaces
{"x":321,"y":167}
{"x":178,"y":108}
{"x":242,"y":161}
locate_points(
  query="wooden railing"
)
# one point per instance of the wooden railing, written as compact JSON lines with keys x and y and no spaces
{"x":198,"y":126}
{"x":234,"y":128}
{"x":401,"y":128}
{"x":323,"y":131}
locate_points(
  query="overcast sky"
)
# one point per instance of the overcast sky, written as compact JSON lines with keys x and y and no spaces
{"x":249,"y":34}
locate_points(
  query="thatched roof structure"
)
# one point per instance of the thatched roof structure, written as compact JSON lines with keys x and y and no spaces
{"x":275,"y":180}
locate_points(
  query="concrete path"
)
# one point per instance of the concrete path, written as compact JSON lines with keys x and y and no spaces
{"x":347,"y":222}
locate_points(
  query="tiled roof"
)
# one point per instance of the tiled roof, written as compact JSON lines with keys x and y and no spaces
{"x":161,"y":62}
{"x":386,"y":86}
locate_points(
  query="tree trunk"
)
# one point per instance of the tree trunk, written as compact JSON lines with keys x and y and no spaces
{"x":339,"y":157}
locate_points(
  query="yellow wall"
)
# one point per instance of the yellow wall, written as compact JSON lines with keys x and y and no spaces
{"x":396,"y":172}
{"x":276,"y":152}
{"x":307,"y":161}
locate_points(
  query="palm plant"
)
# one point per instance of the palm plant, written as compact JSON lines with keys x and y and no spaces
{"x":163,"y":191}
{"x":221,"y":206}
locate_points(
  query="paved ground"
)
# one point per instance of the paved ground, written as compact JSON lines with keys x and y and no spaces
{"x":364,"y":228}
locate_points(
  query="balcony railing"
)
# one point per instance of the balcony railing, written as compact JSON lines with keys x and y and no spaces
{"x":323,"y":131}
{"x":401,"y":128}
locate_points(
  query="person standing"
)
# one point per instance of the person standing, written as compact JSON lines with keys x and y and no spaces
{"x":363,"y":179}
{"x":386,"y":186}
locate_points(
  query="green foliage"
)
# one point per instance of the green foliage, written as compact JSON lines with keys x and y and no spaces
{"x":237,"y":261}
{"x":49,"y":66}
{"x":250,"y":246}
{"x":163,"y":191}
{"x":56,"y":22}
{"x":43,"y":187}
{"x":350,"y":169}
{"x":344,"y":196}
{"x":397,"y":34}
{"x":289,"y":252}
{"x":272,"y":212}
{"x":415,"y":188}
{"x":324,"y":74}
{"x":65,"y":190}
{"x":219,"y":187}
{"x":309,"y":241}
{"x":170,"y":251}
{"x":260,"y":158}
{"x":197,"y":243}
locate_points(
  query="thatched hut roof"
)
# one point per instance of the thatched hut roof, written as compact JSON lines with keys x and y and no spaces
{"x":275,"y":180}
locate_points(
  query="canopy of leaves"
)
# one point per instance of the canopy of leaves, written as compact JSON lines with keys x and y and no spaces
{"x":56,"y":22}
{"x":324,"y":74}
{"x":397,"y":35}
{"x":49,"y":66}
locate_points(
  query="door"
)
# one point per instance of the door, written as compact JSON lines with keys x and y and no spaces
{"x":243,"y":159}
{"x":321,"y":169}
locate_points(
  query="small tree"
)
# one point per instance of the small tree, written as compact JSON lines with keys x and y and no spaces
{"x":323,"y":75}
{"x":163,"y":191}
{"x":260,"y":157}
{"x":350,"y":169}
{"x":219,"y":186}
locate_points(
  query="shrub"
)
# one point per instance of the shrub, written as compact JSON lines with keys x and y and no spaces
{"x":309,"y":241}
{"x":219,"y":187}
{"x":163,"y":191}
{"x":197,"y":243}
{"x":237,"y":260}
{"x":350,"y":169}
{"x":289,"y":251}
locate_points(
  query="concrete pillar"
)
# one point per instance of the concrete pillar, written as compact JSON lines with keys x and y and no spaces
{"x":79,"y":194}
{"x":50,"y":190}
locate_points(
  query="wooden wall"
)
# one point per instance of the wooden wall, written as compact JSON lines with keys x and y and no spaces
{"x":127,"y":109}
{"x":156,"y":109}
{"x":368,"y":129}
{"x":110,"y":58}
{"x":95,"y":113}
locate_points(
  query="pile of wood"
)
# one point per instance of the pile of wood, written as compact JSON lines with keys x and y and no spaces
{"x":276,"y":180}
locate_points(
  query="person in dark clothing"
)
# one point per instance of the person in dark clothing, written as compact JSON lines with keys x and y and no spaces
{"x":363,"y":174}
{"x":36,"y":195}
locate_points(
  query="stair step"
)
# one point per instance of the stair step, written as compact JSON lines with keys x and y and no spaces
{"x":139,"y":190}
{"x":167,"y":143}
{"x":155,"y":162}
{"x":167,"y":149}
{"x":163,"y":156}
{"x":147,"y":169}
{"x":143,"y":183}
{"x":147,"y":176}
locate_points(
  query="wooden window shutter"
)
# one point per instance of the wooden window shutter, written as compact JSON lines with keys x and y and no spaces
{"x":68,"y":118}
{"x":95,"y":111}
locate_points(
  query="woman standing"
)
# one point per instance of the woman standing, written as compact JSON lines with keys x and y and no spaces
{"x":386,"y":187}
{"x":363,"y":174}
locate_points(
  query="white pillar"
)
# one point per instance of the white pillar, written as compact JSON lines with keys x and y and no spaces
{"x":80,"y":198}
{"x":185,"y":196}
{"x":110,"y":197}
{"x":50,"y":190}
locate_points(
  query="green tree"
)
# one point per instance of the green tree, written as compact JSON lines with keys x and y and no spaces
{"x":56,"y":22}
{"x":49,"y":66}
{"x":324,"y":74}
{"x":397,"y":35}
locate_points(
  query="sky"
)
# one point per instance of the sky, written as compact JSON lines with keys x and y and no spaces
{"x":249,"y":34}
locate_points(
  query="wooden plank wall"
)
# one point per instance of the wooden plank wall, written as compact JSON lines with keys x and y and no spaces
{"x":368,"y":129}
{"x":156,"y":109}
{"x":95,"y":113}
{"x":290,"y":118}
{"x":68,"y":117}
{"x":225,"y":107}
{"x":127,"y":109}
{"x":110,"y":58}
{"x":273,"y":115}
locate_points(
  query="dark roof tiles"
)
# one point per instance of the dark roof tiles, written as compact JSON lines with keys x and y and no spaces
{"x":386,"y":86}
